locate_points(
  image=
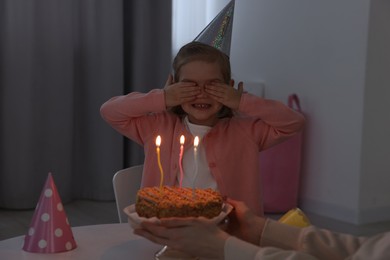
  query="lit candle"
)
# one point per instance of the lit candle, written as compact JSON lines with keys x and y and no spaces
{"x":196,"y":143}
{"x":181,"y":159}
{"x":158,"y":143}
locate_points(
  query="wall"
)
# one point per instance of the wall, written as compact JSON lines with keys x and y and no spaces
{"x":329,"y":53}
{"x":375,"y":164}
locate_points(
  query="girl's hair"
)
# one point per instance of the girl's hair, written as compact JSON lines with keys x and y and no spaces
{"x":196,"y":51}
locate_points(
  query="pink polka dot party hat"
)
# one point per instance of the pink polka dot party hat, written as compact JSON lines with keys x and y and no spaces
{"x":49,"y":230}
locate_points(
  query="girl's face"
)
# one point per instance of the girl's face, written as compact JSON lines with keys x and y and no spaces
{"x":203,"y":110}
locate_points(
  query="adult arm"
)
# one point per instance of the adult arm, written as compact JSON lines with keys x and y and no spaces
{"x":280,"y":241}
{"x":321,"y":243}
{"x":238,"y":249}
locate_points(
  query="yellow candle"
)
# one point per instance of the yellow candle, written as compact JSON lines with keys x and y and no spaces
{"x":158,"y":143}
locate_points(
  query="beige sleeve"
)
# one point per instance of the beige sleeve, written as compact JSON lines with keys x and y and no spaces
{"x":323,"y":244}
{"x":280,"y":241}
{"x":238,"y":249}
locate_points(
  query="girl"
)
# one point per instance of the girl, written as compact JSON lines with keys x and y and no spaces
{"x":200,"y":100}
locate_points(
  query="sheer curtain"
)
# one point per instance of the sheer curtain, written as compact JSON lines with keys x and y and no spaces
{"x":59,"y":61}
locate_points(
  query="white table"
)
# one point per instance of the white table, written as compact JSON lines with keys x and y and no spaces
{"x":108,"y":241}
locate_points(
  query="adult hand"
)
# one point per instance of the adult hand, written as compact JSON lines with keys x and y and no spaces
{"x":225,"y":94}
{"x":194,"y":236}
{"x":180,"y":92}
{"x":244,"y":224}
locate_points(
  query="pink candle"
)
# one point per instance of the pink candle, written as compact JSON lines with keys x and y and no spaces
{"x":181,"y":159}
{"x":196,"y":143}
{"x":158,"y":143}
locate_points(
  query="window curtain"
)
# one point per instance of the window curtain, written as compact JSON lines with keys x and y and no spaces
{"x":59,"y":61}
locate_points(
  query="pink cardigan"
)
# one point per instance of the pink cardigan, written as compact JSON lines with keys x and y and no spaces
{"x":232,"y":145}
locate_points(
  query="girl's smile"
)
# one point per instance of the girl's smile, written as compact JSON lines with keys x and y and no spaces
{"x":202,"y":106}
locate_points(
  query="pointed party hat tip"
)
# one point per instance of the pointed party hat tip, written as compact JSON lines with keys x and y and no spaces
{"x":49,"y":230}
{"x":218,"y":33}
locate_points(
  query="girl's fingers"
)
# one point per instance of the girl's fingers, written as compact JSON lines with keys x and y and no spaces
{"x":186,"y":84}
{"x":187,"y":88}
{"x":241,"y":87}
{"x":180,"y":92}
{"x":215,"y":89}
{"x":169,"y":81}
{"x":187,"y":93}
{"x":219,"y":91}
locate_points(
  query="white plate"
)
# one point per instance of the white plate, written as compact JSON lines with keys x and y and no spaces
{"x":135,"y":220}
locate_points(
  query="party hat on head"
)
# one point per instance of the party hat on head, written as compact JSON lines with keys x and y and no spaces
{"x":49,"y":230}
{"x":218,"y":33}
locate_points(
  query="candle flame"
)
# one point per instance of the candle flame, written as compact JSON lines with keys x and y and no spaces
{"x":196,"y":141}
{"x":182,"y":139}
{"x":158,"y":141}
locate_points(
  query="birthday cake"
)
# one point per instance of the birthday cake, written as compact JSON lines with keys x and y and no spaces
{"x":178,"y":202}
